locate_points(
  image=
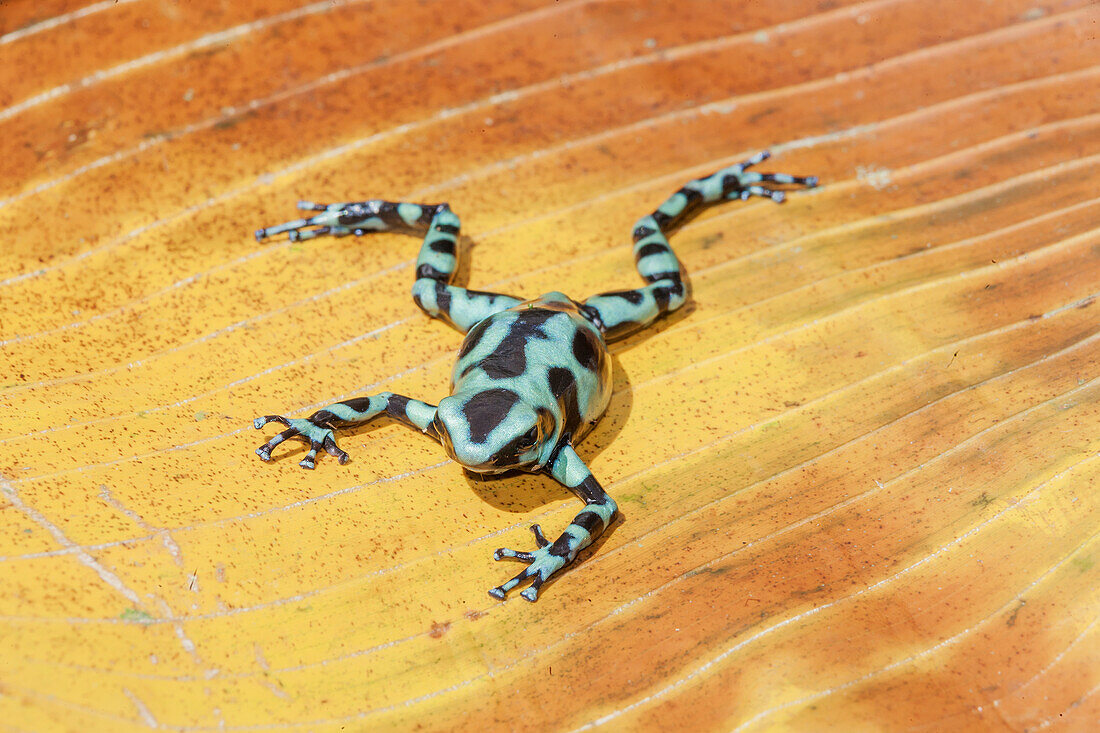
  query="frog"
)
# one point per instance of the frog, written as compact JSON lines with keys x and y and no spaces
{"x":532,"y":377}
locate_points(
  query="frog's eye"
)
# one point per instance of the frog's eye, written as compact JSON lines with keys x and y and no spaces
{"x":528,"y":439}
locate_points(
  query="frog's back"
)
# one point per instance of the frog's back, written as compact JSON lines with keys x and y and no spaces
{"x":545,"y":351}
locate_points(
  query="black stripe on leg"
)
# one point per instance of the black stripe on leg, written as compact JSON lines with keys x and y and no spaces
{"x":442,"y":245}
{"x":388,"y":213}
{"x":662,"y":219}
{"x":589,"y":522}
{"x":397,"y":407}
{"x":661,"y":295}
{"x":731,"y":182}
{"x":590,"y":487}
{"x":651,"y":249}
{"x":431,"y":273}
{"x":428,"y":212}
{"x":443,"y":297}
{"x":326,"y":418}
{"x":359,"y":404}
{"x":562,"y":547}
{"x":634,"y":297}
{"x":692,"y":195}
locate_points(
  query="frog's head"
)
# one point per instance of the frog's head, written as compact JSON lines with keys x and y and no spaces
{"x":494,"y":430}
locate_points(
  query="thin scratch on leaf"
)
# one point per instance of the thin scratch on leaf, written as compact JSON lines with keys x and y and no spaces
{"x":60,"y":20}
{"x":166,"y":536}
{"x":8,"y":490}
{"x":142,"y":708}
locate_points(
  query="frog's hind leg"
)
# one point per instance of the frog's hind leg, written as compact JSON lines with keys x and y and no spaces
{"x":435,"y":266}
{"x":621,"y":312}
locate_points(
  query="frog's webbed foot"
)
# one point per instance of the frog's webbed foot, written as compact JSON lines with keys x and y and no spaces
{"x":742,"y":183}
{"x":541,"y":564}
{"x":319,"y":437}
{"x":337,"y":220}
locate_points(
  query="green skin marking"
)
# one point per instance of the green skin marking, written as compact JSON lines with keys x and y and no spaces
{"x":532,"y":377}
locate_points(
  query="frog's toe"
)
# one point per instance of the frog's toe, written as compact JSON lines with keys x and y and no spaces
{"x":504,"y":552}
{"x":502,"y":590}
{"x":291,"y":228}
{"x":334,"y":450}
{"x":749,"y":181}
{"x":300,"y":235}
{"x":540,"y":539}
{"x":758,"y":158}
{"x":261,"y":421}
{"x":750,"y":185}
{"x":327,"y":221}
{"x":264,"y":451}
{"x":320,"y":439}
{"x":530,"y":593}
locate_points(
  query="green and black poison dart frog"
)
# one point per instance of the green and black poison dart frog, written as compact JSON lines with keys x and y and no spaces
{"x":532,"y":377}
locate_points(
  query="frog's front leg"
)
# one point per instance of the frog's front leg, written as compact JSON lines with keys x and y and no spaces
{"x":569,"y":469}
{"x":319,"y":428}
